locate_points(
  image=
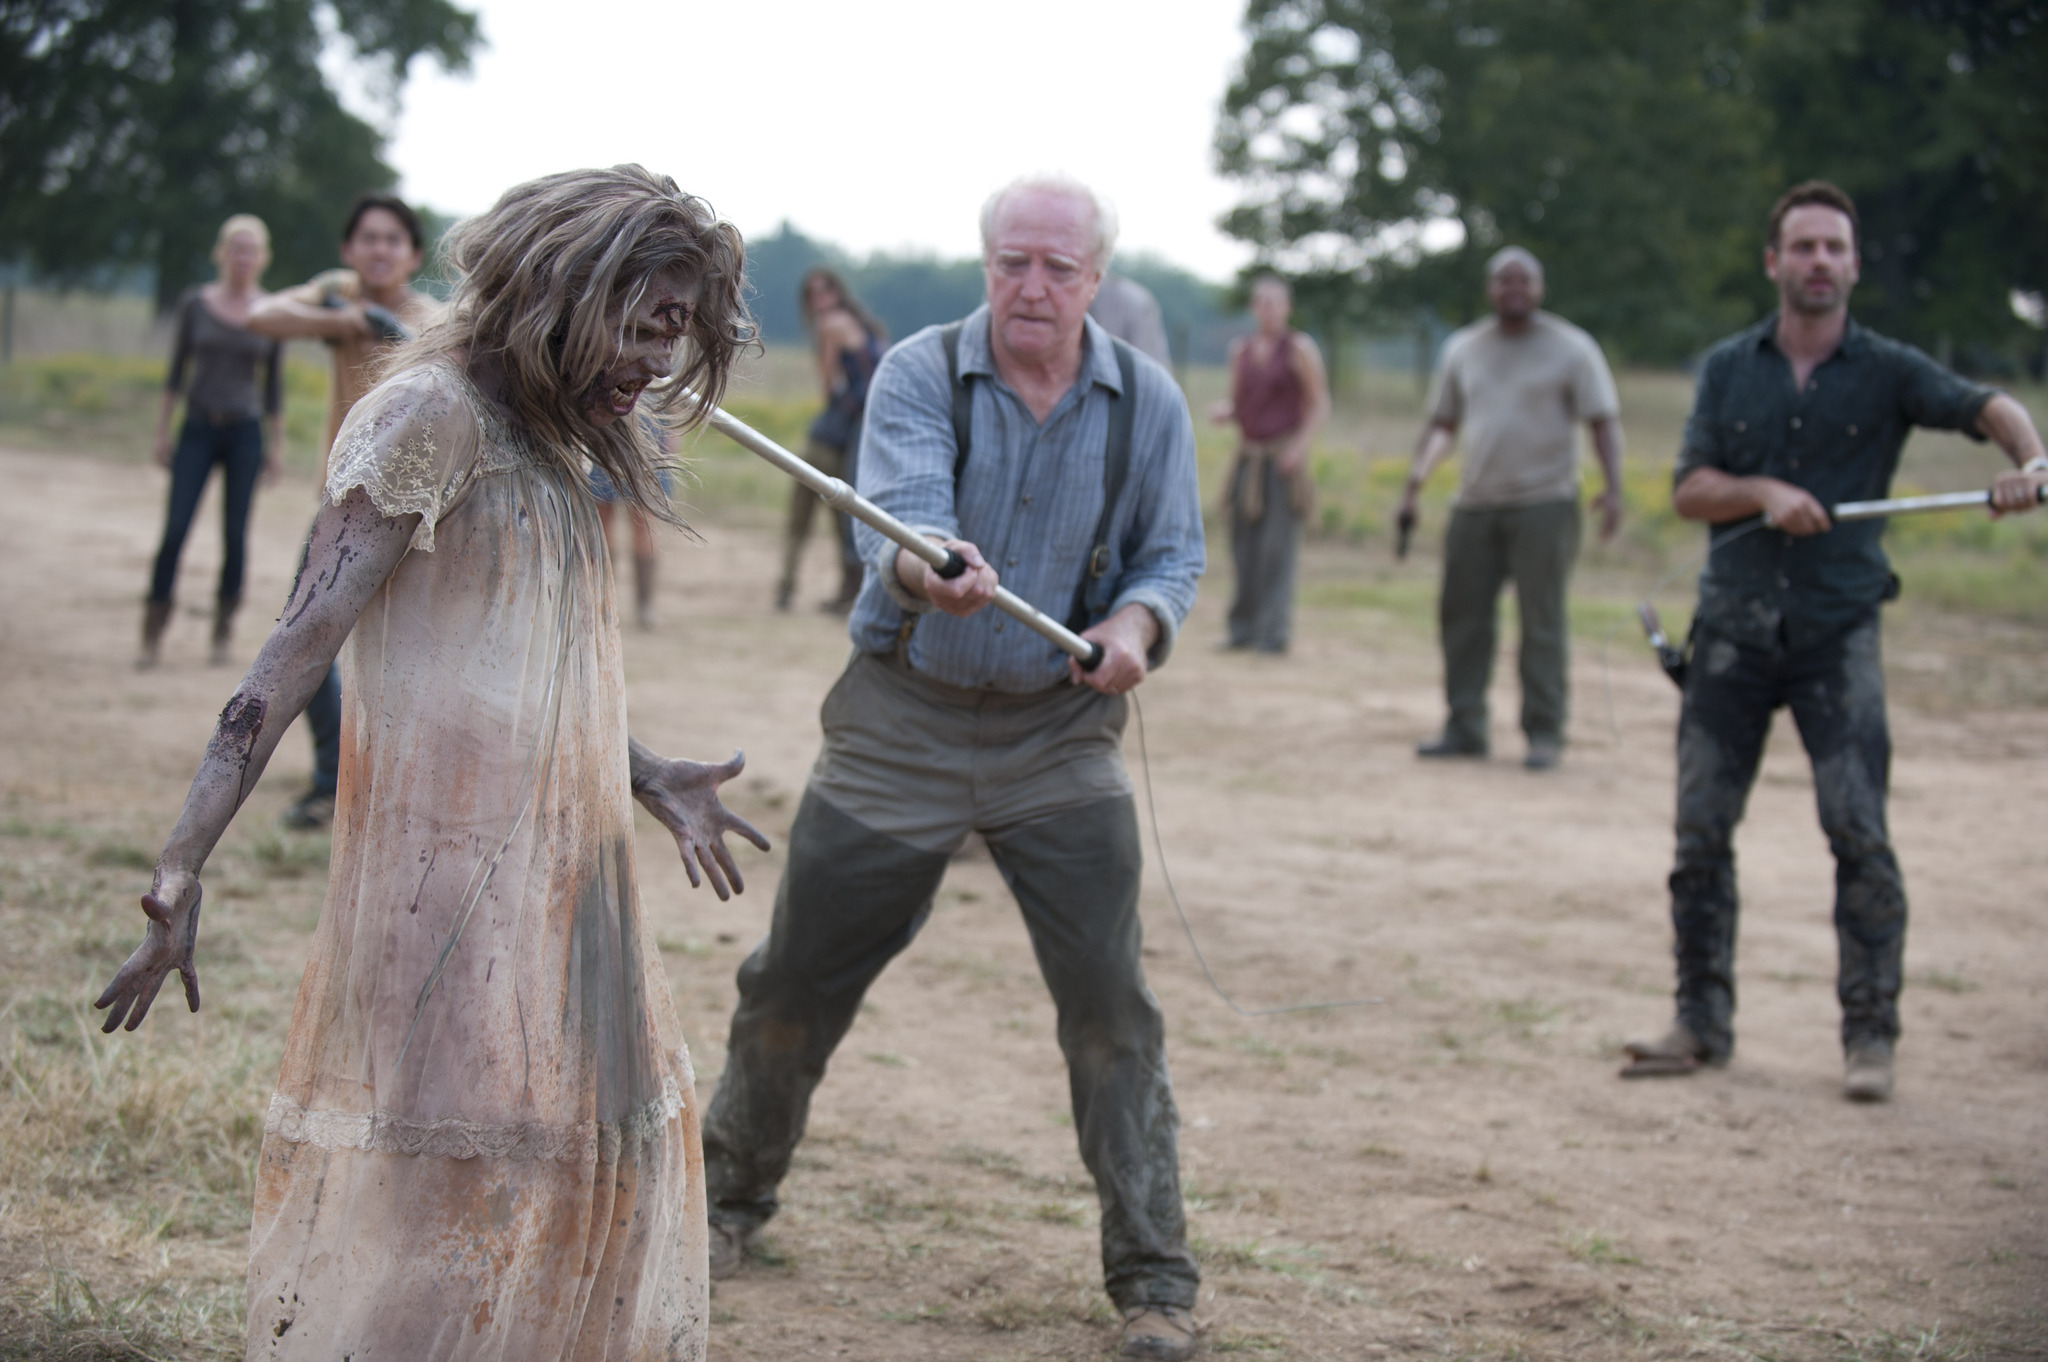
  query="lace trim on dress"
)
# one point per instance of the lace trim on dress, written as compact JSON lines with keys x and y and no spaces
{"x":381,"y":1132}
{"x":401,"y":478}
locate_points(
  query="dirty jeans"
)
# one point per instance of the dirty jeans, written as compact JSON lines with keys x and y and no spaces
{"x":852,"y":897}
{"x":1535,"y":546}
{"x":1835,"y":691}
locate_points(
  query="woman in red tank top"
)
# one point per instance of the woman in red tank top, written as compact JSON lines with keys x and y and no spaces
{"x":1279,"y":397}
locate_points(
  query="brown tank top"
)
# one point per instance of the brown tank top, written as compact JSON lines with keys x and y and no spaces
{"x":1268,"y":398}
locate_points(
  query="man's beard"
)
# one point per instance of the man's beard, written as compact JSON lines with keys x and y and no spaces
{"x":1807,"y":304}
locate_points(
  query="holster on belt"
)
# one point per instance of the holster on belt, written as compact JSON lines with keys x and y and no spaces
{"x":1244,"y":487}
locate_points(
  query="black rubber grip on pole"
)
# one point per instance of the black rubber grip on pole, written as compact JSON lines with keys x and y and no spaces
{"x":952,"y":567}
{"x":1094,"y":658}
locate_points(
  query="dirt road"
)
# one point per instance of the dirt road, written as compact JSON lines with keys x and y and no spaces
{"x":1451,"y":1171}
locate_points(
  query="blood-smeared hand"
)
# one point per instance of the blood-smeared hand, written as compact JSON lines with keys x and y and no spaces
{"x":684,"y":796}
{"x":172,"y":905}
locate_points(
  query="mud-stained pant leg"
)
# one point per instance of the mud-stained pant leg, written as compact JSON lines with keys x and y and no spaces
{"x":1729,"y":695}
{"x":1838,"y":701}
{"x":1475,"y":565}
{"x":1076,"y":877}
{"x":850,"y":899}
{"x":1543,"y":545}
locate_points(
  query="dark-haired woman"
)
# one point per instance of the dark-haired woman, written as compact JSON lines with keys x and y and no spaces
{"x":231,"y":382}
{"x":484,"y":1142}
{"x":849,"y":343}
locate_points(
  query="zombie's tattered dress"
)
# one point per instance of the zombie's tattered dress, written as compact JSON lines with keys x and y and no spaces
{"x":484,"y":1139}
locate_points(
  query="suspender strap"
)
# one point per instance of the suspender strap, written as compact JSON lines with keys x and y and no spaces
{"x":1090,"y":597}
{"x":962,"y":391}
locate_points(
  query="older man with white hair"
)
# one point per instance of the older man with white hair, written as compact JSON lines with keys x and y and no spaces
{"x":1060,"y":461}
{"x":1516,"y":384}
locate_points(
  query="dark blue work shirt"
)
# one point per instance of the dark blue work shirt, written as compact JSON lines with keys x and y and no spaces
{"x":1839,"y":440}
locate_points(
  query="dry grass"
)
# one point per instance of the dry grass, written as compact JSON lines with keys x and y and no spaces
{"x":127,"y":1161}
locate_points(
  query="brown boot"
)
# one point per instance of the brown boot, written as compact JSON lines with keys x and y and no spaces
{"x":643,"y":591}
{"x":223,"y":631}
{"x":156,"y":617}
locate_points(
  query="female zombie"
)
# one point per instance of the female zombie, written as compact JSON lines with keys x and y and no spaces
{"x":230,"y":377}
{"x":484,"y":1137}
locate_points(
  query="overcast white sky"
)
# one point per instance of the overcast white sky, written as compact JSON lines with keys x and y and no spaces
{"x":870,"y":123}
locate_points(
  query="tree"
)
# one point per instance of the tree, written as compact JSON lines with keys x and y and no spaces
{"x":129,"y":129}
{"x":1933,"y":114}
{"x":1388,"y":145}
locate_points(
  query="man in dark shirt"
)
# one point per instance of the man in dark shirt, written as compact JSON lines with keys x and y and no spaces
{"x":1800,"y":412}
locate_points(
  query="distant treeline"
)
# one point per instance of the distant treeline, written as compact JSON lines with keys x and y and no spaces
{"x":908,"y":292}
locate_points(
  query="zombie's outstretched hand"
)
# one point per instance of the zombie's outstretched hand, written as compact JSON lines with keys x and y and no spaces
{"x":684,"y":796}
{"x":173,"y":908}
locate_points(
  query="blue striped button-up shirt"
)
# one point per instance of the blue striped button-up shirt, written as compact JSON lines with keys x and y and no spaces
{"x":1029,"y":499}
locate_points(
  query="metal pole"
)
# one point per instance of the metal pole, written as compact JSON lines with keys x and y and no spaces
{"x":1941,"y":501}
{"x":948,"y":564}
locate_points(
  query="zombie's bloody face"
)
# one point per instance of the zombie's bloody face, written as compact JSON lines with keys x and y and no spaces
{"x":648,"y":339}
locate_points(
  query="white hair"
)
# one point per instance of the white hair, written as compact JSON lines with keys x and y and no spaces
{"x":1066,"y":186}
{"x":1513,"y":255}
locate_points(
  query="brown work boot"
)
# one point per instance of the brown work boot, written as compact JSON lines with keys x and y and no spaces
{"x":1676,"y":1052}
{"x":1867,"y":1076}
{"x":728,"y":1249}
{"x":223,"y":631}
{"x":156,"y":617}
{"x":1162,"y":1332}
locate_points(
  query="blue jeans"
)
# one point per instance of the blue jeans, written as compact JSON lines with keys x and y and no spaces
{"x":237,"y":446}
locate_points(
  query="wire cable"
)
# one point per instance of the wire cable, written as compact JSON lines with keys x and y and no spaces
{"x":1166,"y":875}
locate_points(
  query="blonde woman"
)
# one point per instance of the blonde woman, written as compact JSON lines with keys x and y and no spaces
{"x":231,"y":381}
{"x":483,"y":1142}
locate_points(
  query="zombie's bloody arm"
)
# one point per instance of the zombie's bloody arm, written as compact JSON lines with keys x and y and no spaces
{"x":353,"y":549}
{"x":684,"y":796}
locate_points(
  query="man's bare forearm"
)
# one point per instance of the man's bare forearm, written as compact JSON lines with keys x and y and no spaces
{"x":1431,"y":449}
{"x":1607,"y":447}
{"x":2006,"y":423}
{"x":283,"y":316}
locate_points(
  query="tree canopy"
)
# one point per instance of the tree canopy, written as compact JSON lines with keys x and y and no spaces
{"x":129,"y":129}
{"x":1387,"y":146}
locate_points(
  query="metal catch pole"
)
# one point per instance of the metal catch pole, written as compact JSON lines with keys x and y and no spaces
{"x":948,"y":564}
{"x":1940,"y":501}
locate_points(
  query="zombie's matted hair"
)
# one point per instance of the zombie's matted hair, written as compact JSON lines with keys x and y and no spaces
{"x":545,"y":283}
